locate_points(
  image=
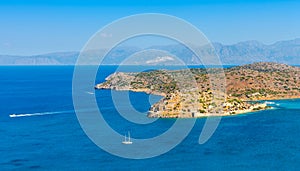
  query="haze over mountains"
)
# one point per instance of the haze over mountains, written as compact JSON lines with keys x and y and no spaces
{"x":287,"y":52}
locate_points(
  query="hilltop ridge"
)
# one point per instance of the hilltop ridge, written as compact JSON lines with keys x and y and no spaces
{"x":267,"y":67}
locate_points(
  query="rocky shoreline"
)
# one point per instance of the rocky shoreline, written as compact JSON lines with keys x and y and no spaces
{"x":258,"y":81}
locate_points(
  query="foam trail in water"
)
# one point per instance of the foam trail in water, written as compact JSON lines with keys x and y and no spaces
{"x":39,"y":114}
{"x":269,"y":102}
{"x":88,"y":92}
{"x":48,"y":113}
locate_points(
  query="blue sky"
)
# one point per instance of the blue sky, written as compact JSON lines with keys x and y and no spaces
{"x":35,"y":27}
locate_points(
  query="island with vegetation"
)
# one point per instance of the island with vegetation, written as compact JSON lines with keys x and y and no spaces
{"x":244,"y":87}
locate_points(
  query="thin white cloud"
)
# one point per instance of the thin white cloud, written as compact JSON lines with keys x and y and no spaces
{"x":106,"y":35}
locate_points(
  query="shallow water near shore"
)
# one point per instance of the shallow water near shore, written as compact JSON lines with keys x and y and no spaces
{"x":49,"y":137}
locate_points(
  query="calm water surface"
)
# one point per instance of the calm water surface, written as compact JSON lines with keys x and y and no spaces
{"x":54,"y":140}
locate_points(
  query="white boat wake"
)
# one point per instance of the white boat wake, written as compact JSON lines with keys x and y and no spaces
{"x":39,"y":114}
{"x":88,"y":92}
{"x":269,"y":102}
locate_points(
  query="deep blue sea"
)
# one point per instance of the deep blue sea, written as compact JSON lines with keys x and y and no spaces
{"x":49,"y":136}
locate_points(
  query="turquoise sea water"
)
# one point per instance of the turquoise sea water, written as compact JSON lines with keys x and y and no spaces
{"x":49,"y":137}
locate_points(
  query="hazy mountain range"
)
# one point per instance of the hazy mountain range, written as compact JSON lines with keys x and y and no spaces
{"x":241,"y":53}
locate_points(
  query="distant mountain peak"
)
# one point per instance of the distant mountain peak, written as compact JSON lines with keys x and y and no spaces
{"x":236,"y":54}
{"x":251,"y":43}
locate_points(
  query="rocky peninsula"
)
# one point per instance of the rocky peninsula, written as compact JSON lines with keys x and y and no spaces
{"x":244,"y":87}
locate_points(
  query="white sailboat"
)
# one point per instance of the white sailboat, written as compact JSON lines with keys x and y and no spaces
{"x":127,"y":140}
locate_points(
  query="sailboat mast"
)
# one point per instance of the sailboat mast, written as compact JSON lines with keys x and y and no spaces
{"x":127,"y":138}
